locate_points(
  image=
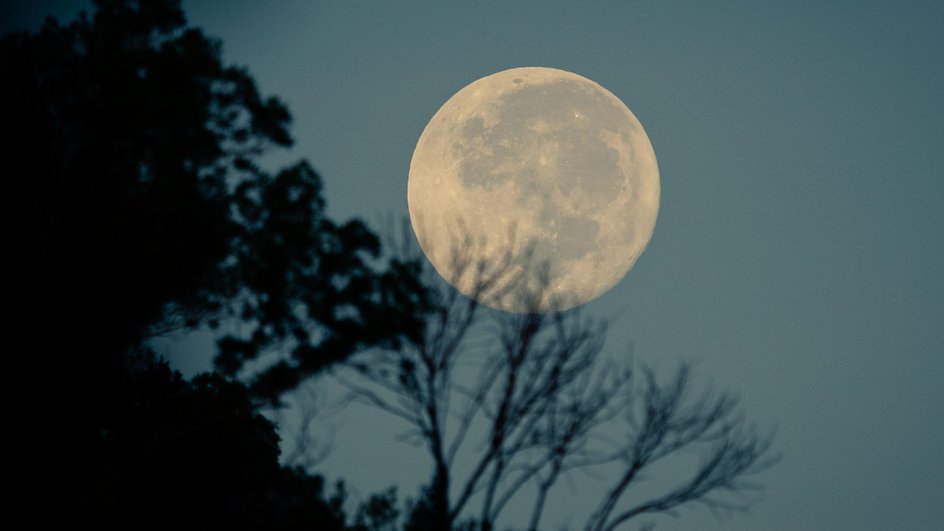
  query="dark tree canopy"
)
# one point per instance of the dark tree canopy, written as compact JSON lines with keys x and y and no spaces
{"x":194,"y":455}
{"x":146,"y":208}
{"x":134,"y":154}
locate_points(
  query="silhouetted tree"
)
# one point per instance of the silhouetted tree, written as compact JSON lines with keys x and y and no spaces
{"x":133,"y":154}
{"x":196,"y":455}
{"x":538,"y":387}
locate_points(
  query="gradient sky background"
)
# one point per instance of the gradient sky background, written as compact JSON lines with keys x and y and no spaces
{"x":799,"y":251}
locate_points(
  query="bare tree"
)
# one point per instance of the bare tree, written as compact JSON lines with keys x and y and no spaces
{"x":538,"y":387}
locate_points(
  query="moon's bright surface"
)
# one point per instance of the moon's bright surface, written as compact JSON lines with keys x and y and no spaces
{"x":534,"y":167}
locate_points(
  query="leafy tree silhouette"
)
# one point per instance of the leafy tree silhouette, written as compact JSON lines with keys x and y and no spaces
{"x":134,"y":154}
{"x":197,"y":455}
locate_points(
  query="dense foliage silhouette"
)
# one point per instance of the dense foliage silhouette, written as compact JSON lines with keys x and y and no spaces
{"x":134,"y":153}
{"x":195,"y":455}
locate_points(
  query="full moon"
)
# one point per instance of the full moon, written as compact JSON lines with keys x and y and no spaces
{"x":533,"y":189}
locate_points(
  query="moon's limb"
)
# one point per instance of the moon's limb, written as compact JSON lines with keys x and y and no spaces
{"x":535,"y":166}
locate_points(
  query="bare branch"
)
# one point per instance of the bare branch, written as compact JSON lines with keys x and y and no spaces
{"x":534,"y":384}
{"x":670,"y":422}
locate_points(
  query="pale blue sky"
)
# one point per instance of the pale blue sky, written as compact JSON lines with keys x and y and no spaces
{"x":799,"y":251}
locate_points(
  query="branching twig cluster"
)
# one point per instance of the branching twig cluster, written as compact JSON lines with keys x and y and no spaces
{"x":541,"y":390}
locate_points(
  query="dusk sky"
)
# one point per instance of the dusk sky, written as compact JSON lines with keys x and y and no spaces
{"x":798,"y":254}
